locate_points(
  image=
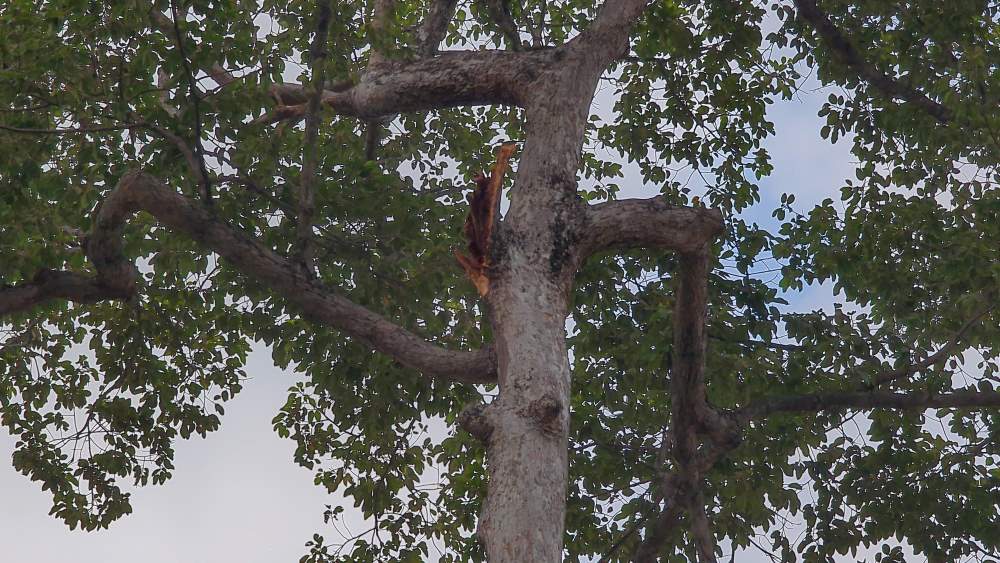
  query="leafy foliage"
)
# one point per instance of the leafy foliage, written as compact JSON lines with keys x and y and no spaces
{"x":97,"y":394}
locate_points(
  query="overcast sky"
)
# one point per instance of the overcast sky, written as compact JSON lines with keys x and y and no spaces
{"x":237,"y":496}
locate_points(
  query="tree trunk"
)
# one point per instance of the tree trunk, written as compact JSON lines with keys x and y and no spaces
{"x":523,"y":518}
{"x":534,"y":261}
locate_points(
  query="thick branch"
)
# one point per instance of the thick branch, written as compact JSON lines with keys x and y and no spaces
{"x":435,"y":26}
{"x":848,"y":54}
{"x":450,"y":79}
{"x":677,"y":486}
{"x":867,"y":400}
{"x":687,"y":400}
{"x":649,"y":223}
{"x":687,"y":374}
{"x":138,"y":191}
{"x":701,"y":529}
{"x":691,"y":418}
{"x":51,"y":284}
{"x":381,"y":18}
{"x":607,"y":39}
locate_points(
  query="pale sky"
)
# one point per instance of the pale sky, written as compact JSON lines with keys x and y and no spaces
{"x":237,"y":496}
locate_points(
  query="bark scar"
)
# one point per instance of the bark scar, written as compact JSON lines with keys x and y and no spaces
{"x":483,"y":207}
{"x":545,"y":411}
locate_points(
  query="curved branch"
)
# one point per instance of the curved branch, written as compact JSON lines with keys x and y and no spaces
{"x":137,"y":191}
{"x":450,"y":79}
{"x":651,"y":222}
{"x":115,"y":276}
{"x":848,"y":54}
{"x":54,"y":284}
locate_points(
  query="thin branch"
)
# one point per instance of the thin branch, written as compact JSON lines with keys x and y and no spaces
{"x":181,"y":145}
{"x":536,"y":27}
{"x":381,"y":18}
{"x":942,"y":354}
{"x":852,"y":57}
{"x":162,"y":81}
{"x":193,"y":163}
{"x":216,"y":70}
{"x":629,"y":533}
{"x":373,"y":134}
{"x":760,"y":343}
{"x":68,"y":130}
{"x":205,"y":185}
{"x":305,"y":195}
{"x":658,"y":532}
{"x":867,"y":400}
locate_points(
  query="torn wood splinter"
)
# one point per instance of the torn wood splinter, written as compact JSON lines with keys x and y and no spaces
{"x":483,"y":206}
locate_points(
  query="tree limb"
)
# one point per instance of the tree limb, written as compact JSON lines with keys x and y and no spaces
{"x":55,"y":284}
{"x":942,"y":354}
{"x":691,"y":417}
{"x":649,"y":223}
{"x":867,"y":400}
{"x":607,"y":38}
{"x":701,"y":529}
{"x":676,"y":486}
{"x":435,"y":26}
{"x":204,"y":181}
{"x":305,"y":194}
{"x":450,"y":79}
{"x":381,"y":18}
{"x":499,"y":12}
{"x":194,"y":165}
{"x":849,"y":55}
{"x":658,"y":532}
{"x":216,"y":71}
{"x":137,"y":191}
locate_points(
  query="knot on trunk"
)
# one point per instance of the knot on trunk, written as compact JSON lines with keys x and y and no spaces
{"x":545,"y":411}
{"x":484,"y":205}
{"x":475,"y":419}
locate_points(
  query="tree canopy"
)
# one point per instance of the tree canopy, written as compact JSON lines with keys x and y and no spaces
{"x":182,"y":179}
